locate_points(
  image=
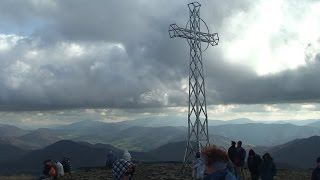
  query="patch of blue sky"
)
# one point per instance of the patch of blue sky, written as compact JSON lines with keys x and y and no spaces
{"x":22,"y":28}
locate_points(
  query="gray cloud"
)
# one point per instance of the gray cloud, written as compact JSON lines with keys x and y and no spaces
{"x":118,"y":54}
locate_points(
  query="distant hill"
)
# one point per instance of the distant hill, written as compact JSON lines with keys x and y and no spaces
{"x":156,"y":121}
{"x":81,"y":155}
{"x":15,"y":141}
{"x":144,"y":138}
{"x":240,"y":121}
{"x":304,"y":122}
{"x":264,"y":134}
{"x":11,"y":131}
{"x":89,"y":127}
{"x":301,"y":153}
{"x":40,"y":138}
{"x":10,"y":153}
{"x":170,"y":152}
{"x":314,"y":124}
{"x":175,"y":121}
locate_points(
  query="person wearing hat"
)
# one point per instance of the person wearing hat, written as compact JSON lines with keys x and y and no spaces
{"x":316,"y":171}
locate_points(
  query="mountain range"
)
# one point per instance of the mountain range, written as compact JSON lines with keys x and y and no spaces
{"x":300,"y":153}
{"x":150,"y":141}
{"x":145,"y":138}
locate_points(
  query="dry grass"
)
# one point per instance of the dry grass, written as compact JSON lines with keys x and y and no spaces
{"x":159,"y":171}
{"x":18,"y":177}
{"x":164,"y":171}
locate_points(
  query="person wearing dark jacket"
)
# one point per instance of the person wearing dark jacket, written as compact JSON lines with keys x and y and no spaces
{"x":254,"y":163}
{"x":232,"y":152}
{"x":316,"y":171}
{"x":111,"y":158}
{"x":239,"y":161}
{"x":268,"y":168}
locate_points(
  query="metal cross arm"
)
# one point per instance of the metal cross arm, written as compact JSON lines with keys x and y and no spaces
{"x":176,"y":31}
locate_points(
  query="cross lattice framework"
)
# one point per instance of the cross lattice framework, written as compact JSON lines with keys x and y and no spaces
{"x":198,"y":136}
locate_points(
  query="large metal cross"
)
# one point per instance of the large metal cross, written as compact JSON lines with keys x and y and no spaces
{"x":198,"y":136}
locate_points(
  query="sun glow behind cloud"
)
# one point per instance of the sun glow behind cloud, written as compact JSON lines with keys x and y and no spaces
{"x":273,"y":35}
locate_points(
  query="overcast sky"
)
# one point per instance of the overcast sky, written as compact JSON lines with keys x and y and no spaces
{"x":97,"y":56}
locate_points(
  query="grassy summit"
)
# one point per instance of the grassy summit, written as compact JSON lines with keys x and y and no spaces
{"x":166,"y":171}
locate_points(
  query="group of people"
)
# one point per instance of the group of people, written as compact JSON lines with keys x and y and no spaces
{"x":123,"y":168}
{"x":263,"y":168}
{"x":55,"y":169}
{"x":212,"y":163}
{"x":215,"y":163}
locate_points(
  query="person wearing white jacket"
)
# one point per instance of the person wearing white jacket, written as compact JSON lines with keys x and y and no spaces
{"x":60,"y":171}
{"x":198,"y":168}
{"x":126,"y":155}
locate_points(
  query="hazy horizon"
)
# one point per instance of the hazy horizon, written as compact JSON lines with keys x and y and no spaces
{"x":53,"y":118}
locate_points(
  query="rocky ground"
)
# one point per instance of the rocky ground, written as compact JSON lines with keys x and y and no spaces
{"x":155,"y":171}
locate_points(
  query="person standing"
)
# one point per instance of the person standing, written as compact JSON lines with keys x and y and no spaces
{"x":254,"y":162}
{"x":111,"y":158}
{"x":268,"y":167}
{"x":232,"y":151}
{"x":316,"y":171}
{"x":198,"y":168}
{"x":239,"y":161}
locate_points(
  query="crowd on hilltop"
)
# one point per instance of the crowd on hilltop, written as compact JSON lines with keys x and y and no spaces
{"x":215,"y":163}
{"x":212,"y":163}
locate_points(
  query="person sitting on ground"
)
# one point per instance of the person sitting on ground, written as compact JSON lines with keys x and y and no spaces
{"x":216,"y":164}
{"x":66,"y":163}
{"x":268,"y":168}
{"x":122,"y":170}
{"x":198,"y":167}
{"x":59,"y":168}
{"x":254,"y":163}
{"x":316,"y":171}
{"x":126,"y":155}
{"x":239,"y":161}
{"x":49,"y":170}
{"x":111,"y":158}
{"x":232,"y":151}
